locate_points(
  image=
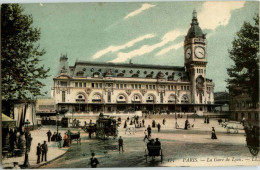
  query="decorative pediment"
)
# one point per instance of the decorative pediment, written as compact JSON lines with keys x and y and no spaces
{"x":108,"y":73}
{"x":128,"y":92}
{"x":143,"y":91}
{"x":63,"y":76}
{"x":88,"y":91}
{"x":160,"y":75}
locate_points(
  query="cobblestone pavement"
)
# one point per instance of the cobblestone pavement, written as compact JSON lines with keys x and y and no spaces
{"x":192,"y":147}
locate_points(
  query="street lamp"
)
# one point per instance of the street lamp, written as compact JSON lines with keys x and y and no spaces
{"x":26,"y":158}
{"x":57,"y":116}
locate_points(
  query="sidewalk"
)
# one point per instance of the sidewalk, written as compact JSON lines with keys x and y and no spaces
{"x":38,"y":137}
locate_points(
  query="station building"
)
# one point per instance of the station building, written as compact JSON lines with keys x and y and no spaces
{"x":94,"y":87}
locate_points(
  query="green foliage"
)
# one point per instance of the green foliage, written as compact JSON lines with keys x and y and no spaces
{"x":21,"y":72}
{"x":245,"y":54}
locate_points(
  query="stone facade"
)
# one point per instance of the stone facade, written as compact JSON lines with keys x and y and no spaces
{"x":92,"y":87}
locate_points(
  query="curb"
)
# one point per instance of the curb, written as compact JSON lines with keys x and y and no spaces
{"x":46,"y":163}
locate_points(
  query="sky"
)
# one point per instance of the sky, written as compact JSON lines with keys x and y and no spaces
{"x":146,"y":33}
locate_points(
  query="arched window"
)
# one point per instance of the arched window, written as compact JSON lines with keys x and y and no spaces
{"x":121,"y":99}
{"x":149,"y":76}
{"x":200,"y":81}
{"x":80,"y":98}
{"x":96,"y":98}
{"x":185,"y":99}
{"x":135,"y":75}
{"x":150,"y":99}
{"x":170,"y":78}
{"x":80,"y":74}
{"x":136,"y":98}
{"x":96,"y":74}
{"x":120,"y":75}
{"x":171,"y":98}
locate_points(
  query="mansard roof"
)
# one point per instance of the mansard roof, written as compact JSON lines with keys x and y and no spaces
{"x":126,"y":70}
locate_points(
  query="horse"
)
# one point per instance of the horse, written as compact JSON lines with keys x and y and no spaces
{"x":75,"y":136}
{"x":129,"y":128}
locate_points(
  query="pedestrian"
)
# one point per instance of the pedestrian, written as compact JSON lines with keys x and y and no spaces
{"x":157,"y":142}
{"x":29,"y":142}
{"x":44,"y":151}
{"x":93,"y":161}
{"x":120,"y":143}
{"x":145,"y":135}
{"x":11,"y":140}
{"x":143,"y":122}
{"x":149,"y":131}
{"x":208,"y":120}
{"x":186,"y":124}
{"x":164,"y":121}
{"x":59,"y":139}
{"x":49,"y":135}
{"x":38,"y":153}
{"x":213,"y":134}
{"x":153,"y":124}
{"x":159,"y":127}
{"x":125,"y":125}
{"x":16,"y":165}
{"x":54,"y":137}
{"x":205,"y":120}
{"x":65,"y":140}
{"x":176,"y":124}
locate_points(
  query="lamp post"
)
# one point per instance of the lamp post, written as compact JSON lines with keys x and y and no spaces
{"x":57,"y":122}
{"x":26,"y":158}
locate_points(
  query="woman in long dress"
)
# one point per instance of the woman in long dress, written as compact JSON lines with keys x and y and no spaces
{"x":65,"y":138}
{"x":213,"y":134}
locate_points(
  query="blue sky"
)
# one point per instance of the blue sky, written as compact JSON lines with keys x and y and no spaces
{"x":146,"y":33}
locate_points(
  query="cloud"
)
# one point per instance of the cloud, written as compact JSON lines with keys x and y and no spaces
{"x":168,"y":37}
{"x":172,"y":47}
{"x":214,"y":13}
{"x":120,"y":47}
{"x":138,"y":11}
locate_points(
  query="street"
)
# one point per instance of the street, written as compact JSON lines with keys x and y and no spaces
{"x":192,"y":147}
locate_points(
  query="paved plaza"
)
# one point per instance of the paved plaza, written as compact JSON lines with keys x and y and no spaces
{"x":192,"y":147}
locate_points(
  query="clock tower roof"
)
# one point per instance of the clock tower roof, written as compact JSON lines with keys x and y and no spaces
{"x":195,"y":30}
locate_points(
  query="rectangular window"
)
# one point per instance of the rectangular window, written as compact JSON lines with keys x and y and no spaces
{"x":139,"y":86}
{"x":117,"y":86}
{"x":188,"y":87}
{"x":161,"y":97}
{"x":63,"y":96}
{"x":109,"y":97}
{"x":84,"y":84}
{"x":175,"y":87}
{"x":100,"y":85}
{"x":150,"y":86}
{"x":146,"y":86}
{"x":76,"y":84}
{"x":169,"y":87}
{"x":181,"y":87}
{"x":153,"y":86}
{"x":132,"y":85}
{"x":135,"y":86}
{"x":256,"y":116}
{"x":184,"y":87}
{"x":125,"y":86}
{"x":80,"y":84}
{"x":96,"y":85}
{"x":63,"y":83}
{"x":121,"y":86}
{"x":93,"y":85}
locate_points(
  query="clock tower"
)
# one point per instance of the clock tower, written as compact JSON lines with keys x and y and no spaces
{"x":195,"y":61}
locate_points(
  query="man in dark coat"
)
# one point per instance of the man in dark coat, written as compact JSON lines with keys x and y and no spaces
{"x":49,"y":135}
{"x":186,"y":124}
{"x":93,"y":161}
{"x":59,"y":139}
{"x":143,"y":122}
{"x":163,"y":121}
{"x":38,"y":153}
{"x":120,"y":143}
{"x":213,"y":134}
{"x":157,"y":142}
{"x":159,"y":127}
{"x":29,"y":141}
{"x":44,"y":150}
{"x":149,"y":131}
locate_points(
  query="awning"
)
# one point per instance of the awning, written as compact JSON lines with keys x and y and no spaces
{"x":8,"y":122}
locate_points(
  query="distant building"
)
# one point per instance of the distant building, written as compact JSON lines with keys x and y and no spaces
{"x":45,"y":107}
{"x":222,"y":99}
{"x":241,"y":106}
{"x":93,"y":87}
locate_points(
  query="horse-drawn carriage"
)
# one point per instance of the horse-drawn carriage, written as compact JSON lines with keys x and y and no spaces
{"x":153,"y":151}
{"x":106,"y":126}
{"x":252,"y":140}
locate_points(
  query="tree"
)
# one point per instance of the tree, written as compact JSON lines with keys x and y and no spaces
{"x":21,"y":70}
{"x":244,"y":74}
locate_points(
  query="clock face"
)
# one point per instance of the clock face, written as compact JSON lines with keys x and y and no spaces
{"x":188,"y":53}
{"x":199,"y":52}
